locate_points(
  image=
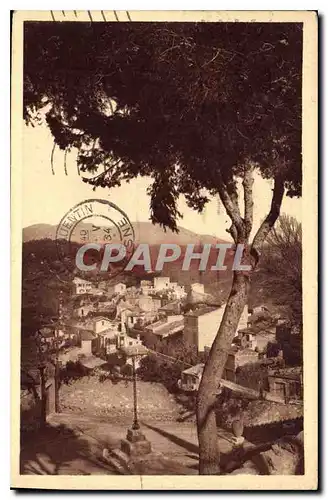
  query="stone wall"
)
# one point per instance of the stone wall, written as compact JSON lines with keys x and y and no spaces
{"x":30,"y":408}
{"x":284,"y":457}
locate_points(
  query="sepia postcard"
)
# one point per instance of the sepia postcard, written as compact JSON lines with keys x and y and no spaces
{"x":164,"y":250}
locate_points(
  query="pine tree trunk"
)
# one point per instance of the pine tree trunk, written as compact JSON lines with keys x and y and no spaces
{"x":209,"y":455}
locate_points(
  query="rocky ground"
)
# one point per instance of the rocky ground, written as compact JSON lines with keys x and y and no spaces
{"x":96,"y":415}
{"x":74,"y":445}
{"x":88,"y":396}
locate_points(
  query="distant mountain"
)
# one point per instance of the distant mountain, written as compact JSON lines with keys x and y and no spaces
{"x":39,"y":232}
{"x":145,"y":232}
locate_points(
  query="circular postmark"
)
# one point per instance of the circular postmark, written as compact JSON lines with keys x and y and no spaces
{"x":95,"y":235}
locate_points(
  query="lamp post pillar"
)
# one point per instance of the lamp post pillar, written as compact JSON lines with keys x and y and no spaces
{"x":135,"y":445}
{"x":135,"y":425}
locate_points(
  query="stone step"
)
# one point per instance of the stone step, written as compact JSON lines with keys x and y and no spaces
{"x":122,"y":457}
{"x":113,"y":462}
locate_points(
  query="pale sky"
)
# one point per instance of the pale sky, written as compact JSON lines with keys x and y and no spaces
{"x":47,"y":197}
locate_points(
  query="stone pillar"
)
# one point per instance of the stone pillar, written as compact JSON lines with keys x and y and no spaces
{"x":43,"y":415}
{"x":50,"y":395}
{"x":135,"y":444}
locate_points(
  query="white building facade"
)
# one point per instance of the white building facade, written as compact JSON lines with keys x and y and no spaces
{"x":201,"y":326}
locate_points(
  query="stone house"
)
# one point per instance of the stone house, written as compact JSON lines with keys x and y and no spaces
{"x":171,"y":308}
{"x":149,"y":303}
{"x":124,"y":348}
{"x":163,"y":329}
{"x":201,"y":325}
{"x":137,"y":311}
{"x":54,"y":338}
{"x":125,"y":303}
{"x":105,"y":330}
{"x":133,"y":349}
{"x":161,"y":283}
{"x":257,"y":336}
{"x":238,"y":357}
{"x":98,"y":324}
{"x":83,"y":310}
{"x":246,"y":339}
{"x":81,"y":286}
{"x":88,"y":340}
{"x":103,"y":285}
{"x":191,"y":377}
{"x":178,"y":291}
{"x":124,"y":340}
{"x":132,"y":316}
{"x":120,"y":288}
{"x":107,"y":339}
{"x":94,"y":334}
{"x":286,"y":383}
{"x":146,"y":287}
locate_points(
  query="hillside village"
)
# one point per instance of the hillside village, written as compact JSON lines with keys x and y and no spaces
{"x":161,"y":332}
{"x":148,"y":348}
{"x":106,"y":325}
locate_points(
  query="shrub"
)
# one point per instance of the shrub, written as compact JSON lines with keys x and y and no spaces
{"x":72,"y":371}
{"x":273,"y":349}
{"x":252,"y":375}
{"x":127,"y":370}
{"x":153,"y":369}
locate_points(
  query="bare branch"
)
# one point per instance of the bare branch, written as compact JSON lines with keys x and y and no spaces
{"x":52,"y":159}
{"x":229,"y":197}
{"x":65,"y":165}
{"x":269,"y":221}
{"x":167,"y":50}
{"x":233,"y":232}
{"x":248,"y":199}
{"x":213,"y":58}
{"x":102,"y":174}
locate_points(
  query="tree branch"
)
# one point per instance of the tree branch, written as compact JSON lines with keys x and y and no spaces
{"x":233,"y":232}
{"x":269,"y":221}
{"x":229,"y":197}
{"x":102,"y":174}
{"x":248,"y":199}
{"x":52,"y":158}
{"x":213,"y":58}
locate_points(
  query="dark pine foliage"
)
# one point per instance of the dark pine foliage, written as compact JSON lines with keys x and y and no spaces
{"x":188,"y":104}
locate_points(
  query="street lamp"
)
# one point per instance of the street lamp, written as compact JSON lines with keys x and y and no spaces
{"x":135,"y":443}
{"x":133,"y":352}
{"x":135,"y":425}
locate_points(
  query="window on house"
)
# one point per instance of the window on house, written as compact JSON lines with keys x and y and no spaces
{"x":279,"y":388}
{"x":294,"y":389}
